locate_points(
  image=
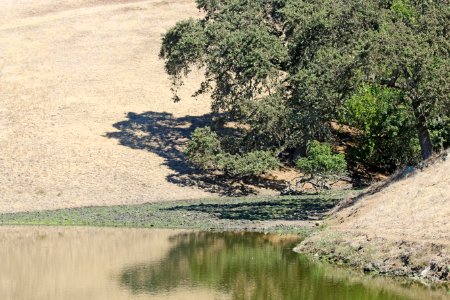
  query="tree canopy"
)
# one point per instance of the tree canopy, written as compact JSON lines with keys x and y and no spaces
{"x":281,"y":72}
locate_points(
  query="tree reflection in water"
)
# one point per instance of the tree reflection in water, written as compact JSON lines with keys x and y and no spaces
{"x":245,"y":266}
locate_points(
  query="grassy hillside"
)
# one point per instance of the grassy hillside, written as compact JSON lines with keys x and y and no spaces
{"x":401,"y":227}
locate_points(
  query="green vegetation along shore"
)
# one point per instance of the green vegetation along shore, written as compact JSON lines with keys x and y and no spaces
{"x":293,"y":214}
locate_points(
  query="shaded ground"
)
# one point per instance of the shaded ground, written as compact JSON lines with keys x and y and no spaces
{"x":309,"y":208}
{"x":166,"y":136}
{"x":160,"y":133}
{"x":285,"y":214}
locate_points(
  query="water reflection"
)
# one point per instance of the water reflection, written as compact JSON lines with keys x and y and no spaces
{"x":255,"y":266}
{"x":109,"y":263}
{"x":249,"y":266}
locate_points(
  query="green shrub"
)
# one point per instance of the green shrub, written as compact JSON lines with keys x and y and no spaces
{"x":320,"y":161}
{"x":252,"y":163}
{"x":203,"y":148}
{"x":205,"y":151}
{"x":440,"y":132}
{"x":384,"y":133}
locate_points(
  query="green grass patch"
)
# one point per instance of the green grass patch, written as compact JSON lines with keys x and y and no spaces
{"x":250,"y":213}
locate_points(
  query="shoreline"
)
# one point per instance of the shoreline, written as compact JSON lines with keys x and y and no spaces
{"x":423,"y":262}
{"x":280,"y":215}
{"x":283,"y":214}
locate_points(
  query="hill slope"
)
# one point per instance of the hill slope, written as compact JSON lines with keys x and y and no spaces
{"x":86,"y":116}
{"x":403,"y":229}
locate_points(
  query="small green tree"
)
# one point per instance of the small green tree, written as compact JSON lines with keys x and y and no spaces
{"x":203,"y":148}
{"x":384,"y":136}
{"x":321,"y":165}
{"x":205,"y":151}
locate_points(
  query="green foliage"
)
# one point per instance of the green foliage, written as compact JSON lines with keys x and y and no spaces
{"x":282,"y":71}
{"x":204,"y":147}
{"x":384,"y":128}
{"x":241,"y":52}
{"x":404,"y":9}
{"x":219,"y":214}
{"x":440,"y":132}
{"x":251,"y":163}
{"x":182,"y":46}
{"x":243,"y":55}
{"x":321,"y":161}
{"x":270,"y":124}
{"x":204,"y":150}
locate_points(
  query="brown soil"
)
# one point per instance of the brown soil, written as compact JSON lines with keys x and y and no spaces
{"x":400,"y":227}
{"x":86,"y":116}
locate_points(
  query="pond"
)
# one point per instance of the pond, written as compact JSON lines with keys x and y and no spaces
{"x":110,"y":263}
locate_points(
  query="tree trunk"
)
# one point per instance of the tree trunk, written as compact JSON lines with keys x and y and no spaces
{"x":425,"y":142}
{"x":426,"y":147}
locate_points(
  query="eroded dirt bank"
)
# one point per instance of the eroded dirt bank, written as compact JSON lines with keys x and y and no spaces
{"x":404,"y":229}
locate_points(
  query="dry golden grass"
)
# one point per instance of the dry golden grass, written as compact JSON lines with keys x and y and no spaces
{"x":401,"y":229}
{"x":417,"y":207}
{"x":70,"y":70}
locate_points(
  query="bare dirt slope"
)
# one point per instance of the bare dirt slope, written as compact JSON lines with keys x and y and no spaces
{"x":81,"y":93}
{"x":402,"y":229}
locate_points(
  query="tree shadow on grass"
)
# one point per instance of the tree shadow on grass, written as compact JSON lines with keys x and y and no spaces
{"x":288,"y":209}
{"x":163,"y":134}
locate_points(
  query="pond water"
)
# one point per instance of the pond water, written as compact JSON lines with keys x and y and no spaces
{"x":109,"y":263}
